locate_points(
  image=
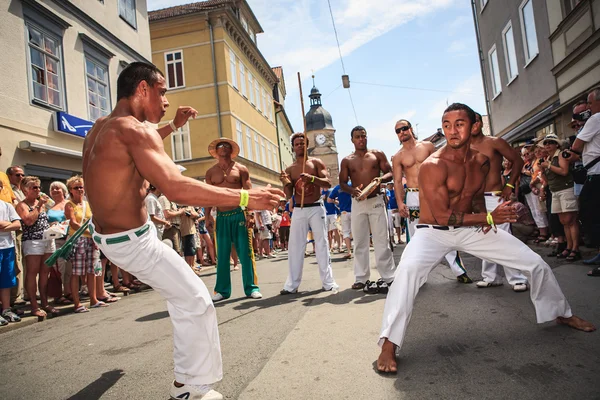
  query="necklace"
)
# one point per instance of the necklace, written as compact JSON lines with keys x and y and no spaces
{"x":228,"y":169}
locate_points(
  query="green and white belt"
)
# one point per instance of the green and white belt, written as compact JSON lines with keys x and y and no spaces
{"x":118,"y":239}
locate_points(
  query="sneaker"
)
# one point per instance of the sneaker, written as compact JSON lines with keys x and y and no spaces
{"x":283,"y":292}
{"x":520,"y":287}
{"x":194,"y":392}
{"x":334,"y":289}
{"x":371,"y":287}
{"x":217,"y":297}
{"x":464,"y":278}
{"x":3,"y":321}
{"x":10,"y":316}
{"x":256,"y":295}
{"x":271,"y":256}
{"x":484,"y":284}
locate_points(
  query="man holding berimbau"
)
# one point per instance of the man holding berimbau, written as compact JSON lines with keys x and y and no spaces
{"x":365,"y":168}
{"x":304,"y":180}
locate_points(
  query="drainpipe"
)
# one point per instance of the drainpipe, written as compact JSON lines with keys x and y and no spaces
{"x":278,"y":138}
{"x":214,"y":65}
{"x":482,"y":64}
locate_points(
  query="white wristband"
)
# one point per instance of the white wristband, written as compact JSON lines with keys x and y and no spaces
{"x":172,"y":125}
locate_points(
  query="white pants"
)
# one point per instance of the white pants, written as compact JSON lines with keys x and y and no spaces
{"x":197,"y":351}
{"x":371,"y":213}
{"x":452,"y":258}
{"x":390,"y":220}
{"x":302,"y":219}
{"x":428,"y":247}
{"x":346,"y":224}
{"x":538,"y":210}
{"x":489,"y":270}
{"x":332,"y":222}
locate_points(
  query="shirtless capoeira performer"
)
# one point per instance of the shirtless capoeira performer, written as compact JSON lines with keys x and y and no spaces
{"x":453,"y":217}
{"x":232,"y":222}
{"x":363,"y":167}
{"x":407,"y":162}
{"x":495,"y":194}
{"x":311,"y":215}
{"x":120,"y":153}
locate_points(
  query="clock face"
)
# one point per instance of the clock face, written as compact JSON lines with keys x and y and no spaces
{"x":320,"y":139}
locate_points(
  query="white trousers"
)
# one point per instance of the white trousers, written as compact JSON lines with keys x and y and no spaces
{"x":197,"y":350}
{"x":538,"y":210}
{"x":390,"y":220}
{"x":452,"y":258}
{"x":302,"y":219}
{"x":428,"y":247}
{"x":489,"y":270}
{"x":371,"y":213}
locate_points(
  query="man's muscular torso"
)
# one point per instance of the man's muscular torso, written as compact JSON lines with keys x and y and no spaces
{"x":114,"y":187}
{"x":411,"y":159}
{"x":363,"y":169}
{"x":464,"y":184}
{"x":236,"y":178}
{"x":487,"y":147}
{"x":312,"y":192}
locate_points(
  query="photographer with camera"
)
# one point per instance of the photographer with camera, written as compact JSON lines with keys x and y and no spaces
{"x":587,"y":144}
{"x":564,"y":203}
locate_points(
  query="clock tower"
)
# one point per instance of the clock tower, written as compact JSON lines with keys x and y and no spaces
{"x":321,"y":135}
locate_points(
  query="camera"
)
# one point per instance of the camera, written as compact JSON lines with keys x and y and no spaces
{"x":189,"y":214}
{"x":565,"y":154}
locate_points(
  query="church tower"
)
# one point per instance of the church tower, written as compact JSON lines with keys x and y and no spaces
{"x":321,"y":135}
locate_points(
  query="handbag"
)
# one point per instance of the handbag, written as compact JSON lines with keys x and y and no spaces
{"x":524,"y":187}
{"x":54,"y":288}
{"x":579,"y":172}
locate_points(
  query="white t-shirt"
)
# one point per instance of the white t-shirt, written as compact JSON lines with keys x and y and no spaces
{"x":590,"y":134}
{"x":7,"y":213}
{"x":154,"y":208}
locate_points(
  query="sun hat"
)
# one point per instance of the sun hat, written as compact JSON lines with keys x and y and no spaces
{"x":212,"y":147}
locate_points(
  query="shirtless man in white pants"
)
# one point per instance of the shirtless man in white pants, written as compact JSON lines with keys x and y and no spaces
{"x":121,"y":153}
{"x":453,"y":217}
{"x":407,"y":162}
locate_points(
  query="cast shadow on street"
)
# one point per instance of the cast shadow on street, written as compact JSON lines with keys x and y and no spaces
{"x":343,"y":297}
{"x":272,"y":301}
{"x":153,"y":317}
{"x":96,"y":389}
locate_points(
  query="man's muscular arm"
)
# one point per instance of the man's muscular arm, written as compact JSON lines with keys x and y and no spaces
{"x":344,"y":176}
{"x":182,"y":114}
{"x":321,"y":177}
{"x":384,"y":166}
{"x":513,"y":156}
{"x":398,"y":186}
{"x":289,"y":188}
{"x":245,"y":177}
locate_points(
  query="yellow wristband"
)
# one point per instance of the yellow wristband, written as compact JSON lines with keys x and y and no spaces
{"x":312,"y":180}
{"x":244,"y":198}
{"x":489,"y":218}
{"x":510,"y":186}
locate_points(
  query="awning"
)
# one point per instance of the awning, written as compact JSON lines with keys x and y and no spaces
{"x":48,"y":149}
{"x":537,"y":121}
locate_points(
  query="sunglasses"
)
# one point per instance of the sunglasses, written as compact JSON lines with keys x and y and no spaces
{"x":223,"y":145}
{"x":549,"y":142}
{"x":20,"y":175}
{"x":402,"y":129}
{"x":78,"y":187}
{"x":36,"y":187}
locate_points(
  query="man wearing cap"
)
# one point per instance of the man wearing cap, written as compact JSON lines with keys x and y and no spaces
{"x":231,"y":225}
{"x":303,"y":180}
{"x":495,"y":194}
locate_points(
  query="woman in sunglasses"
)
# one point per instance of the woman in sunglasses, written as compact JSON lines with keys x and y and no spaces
{"x":36,"y":250}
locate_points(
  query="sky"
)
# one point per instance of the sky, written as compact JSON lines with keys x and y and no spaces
{"x":406,"y":59}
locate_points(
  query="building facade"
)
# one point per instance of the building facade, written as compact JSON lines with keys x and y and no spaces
{"x":284,"y":126}
{"x":321,"y":136}
{"x":65,"y":56}
{"x":209,"y":54}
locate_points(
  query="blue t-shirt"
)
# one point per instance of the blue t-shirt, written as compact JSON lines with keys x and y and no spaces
{"x":344,"y":199}
{"x":392,"y":203}
{"x":330,"y":208}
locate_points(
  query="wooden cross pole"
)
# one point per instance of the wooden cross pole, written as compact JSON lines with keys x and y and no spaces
{"x":305,"y":141}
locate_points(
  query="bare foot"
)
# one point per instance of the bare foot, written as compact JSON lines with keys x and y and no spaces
{"x":387,"y":359}
{"x":576,"y":323}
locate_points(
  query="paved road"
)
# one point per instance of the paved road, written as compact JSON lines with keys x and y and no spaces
{"x":463,"y":343}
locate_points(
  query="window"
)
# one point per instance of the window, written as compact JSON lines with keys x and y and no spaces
{"x":482,"y":3}
{"x":180,"y":143}
{"x":251,"y":33}
{"x":240,"y":137}
{"x":509,"y":52}
{"x":494,"y":72}
{"x":269,"y":107}
{"x":127,"y":11}
{"x":274,"y":154}
{"x":174,"y":63}
{"x":530,"y":44}
{"x":264,"y":100}
{"x":249,"y":143}
{"x":257,"y":94}
{"x":244,"y":23}
{"x":251,"y":87}
{"x":232,"y":65}
{"x":45,"y":67}
{"x":97,"y":89}
{"x":265,"y":155}
{"x":243,"y":79}
{"x":570,"y":5}
{"x":257,"y":148}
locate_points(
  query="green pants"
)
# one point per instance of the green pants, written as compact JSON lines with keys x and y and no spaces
{"x":231,"y":228}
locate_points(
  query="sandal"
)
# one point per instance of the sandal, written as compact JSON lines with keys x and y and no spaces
{"x":540,"y":239}
{"x":109,"y":299}
{"x":594,"y":272}
{"x":51,"y":310}
{"x":574,"y":255}
{"x":121,"y":289}
{"x":564,"y":254}
{"x":99,"y":304}
{"x":81,"y":309}
{"x":358,"y":286}
{"x":38,"y":313}
{"x":62,"y":301}
{"x":133,"y":286}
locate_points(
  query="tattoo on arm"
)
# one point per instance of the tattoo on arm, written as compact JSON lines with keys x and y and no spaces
{"x":456,"y":218}
{"x":476,"y":206}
